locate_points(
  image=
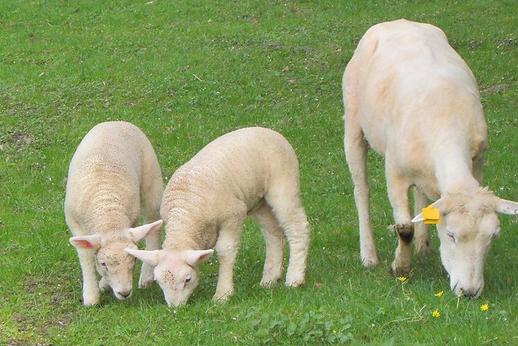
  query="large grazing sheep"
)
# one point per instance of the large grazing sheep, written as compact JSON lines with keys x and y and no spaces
{"x":410,"y":97}
{"x":113,"y":176}
{"x":252,"y":171}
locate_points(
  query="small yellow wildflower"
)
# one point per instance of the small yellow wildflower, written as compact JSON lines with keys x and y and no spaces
{"x":439,"y":294}
{"x":484,"y":307}
{"x":436,"y":313}
{"x":402,"y":278}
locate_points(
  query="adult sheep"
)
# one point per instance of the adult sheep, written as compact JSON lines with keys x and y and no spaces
{"x":410,"y":97}
{"x":113,"y":176}
{"x":252,"y":171}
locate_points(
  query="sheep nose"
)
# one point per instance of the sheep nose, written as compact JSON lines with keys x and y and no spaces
{"x":124,"y":294}
{"x":470,"y":293}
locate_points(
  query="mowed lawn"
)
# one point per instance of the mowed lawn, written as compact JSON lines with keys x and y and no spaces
{"x":187,"y":72}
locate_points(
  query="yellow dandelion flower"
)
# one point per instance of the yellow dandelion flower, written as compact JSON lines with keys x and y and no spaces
{"x":436,"y":313}
{"x":402,"y":278}
{"x":484,"y":307}
{"x":439,"y":294}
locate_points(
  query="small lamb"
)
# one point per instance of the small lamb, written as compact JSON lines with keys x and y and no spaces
{"x":113,"y":175}
{"x":252,"y":171}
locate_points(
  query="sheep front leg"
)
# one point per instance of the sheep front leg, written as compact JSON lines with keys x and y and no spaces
{"x":91,"y":292}
{"x":398,"y":195}
{"x":422,"y":238}
{"x":227,"y":246}
{"x":151,"y":196}
{"x":146,"y":278}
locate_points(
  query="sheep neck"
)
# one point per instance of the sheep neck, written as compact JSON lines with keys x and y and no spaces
{"x":453,"y":169}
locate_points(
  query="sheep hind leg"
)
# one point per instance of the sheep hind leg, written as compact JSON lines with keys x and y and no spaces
{"x":422,"y":237}
{"x":292,"y":219}
{"x":227,"y":247}
{"x":356,"y":156}
{"x":274,"y":239}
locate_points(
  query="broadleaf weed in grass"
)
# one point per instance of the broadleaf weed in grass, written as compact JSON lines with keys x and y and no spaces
{"x":312,"y":327}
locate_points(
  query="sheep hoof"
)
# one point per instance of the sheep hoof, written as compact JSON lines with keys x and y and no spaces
{"x":145,"y":283}
{"x":222,"y":297}
{"x":400,"y":270}
{"x":370,"y":262}
{"x":295,"y":283}
{"x":269,"y":282}
{"x":91,"y":301}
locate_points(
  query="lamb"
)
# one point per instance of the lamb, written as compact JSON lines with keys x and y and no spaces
{"x":113,"y":176}
{"x":252,"y":171}
{"x":410,"y":97}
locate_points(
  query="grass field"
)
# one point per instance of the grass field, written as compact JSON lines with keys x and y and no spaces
{"x":188,"y":71}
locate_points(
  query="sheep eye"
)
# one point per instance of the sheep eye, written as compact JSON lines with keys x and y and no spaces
{"x":104,"y":264}
{"x":451,"y":236}
{"x":188,"y":279}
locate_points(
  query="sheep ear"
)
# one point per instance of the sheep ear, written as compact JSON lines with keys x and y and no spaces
{"x":150,"y":257}
{"x":196,"y":257}
{"x":504,"y":206}
{"x":86,"y":242}
{"x":419,"y":217}
{"x":138,"y":233}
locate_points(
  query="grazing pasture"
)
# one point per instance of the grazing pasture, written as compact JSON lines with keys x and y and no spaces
{"x":186,"y":72}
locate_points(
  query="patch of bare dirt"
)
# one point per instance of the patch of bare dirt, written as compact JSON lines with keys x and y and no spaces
{"x":494,"y":89}
{"x":507,"y":43}
{"x":17,"y":140}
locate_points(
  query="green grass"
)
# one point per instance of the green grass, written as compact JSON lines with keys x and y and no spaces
{"x":187,"y":72}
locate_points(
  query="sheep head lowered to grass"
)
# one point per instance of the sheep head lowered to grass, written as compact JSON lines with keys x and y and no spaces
{"x":468,"y":224}
{"x":114,"y":265}
{"x":176,"y":271}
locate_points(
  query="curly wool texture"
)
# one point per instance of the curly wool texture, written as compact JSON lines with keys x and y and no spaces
{"x":112,"y":169}
{"x":230,"y":175}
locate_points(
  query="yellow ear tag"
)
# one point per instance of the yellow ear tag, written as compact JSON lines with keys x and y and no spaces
{"x":431,"y":215}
